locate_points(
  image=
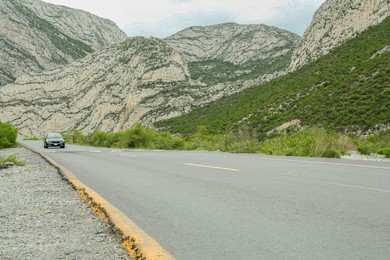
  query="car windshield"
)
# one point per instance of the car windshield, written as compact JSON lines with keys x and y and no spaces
{"x":54,"y":135}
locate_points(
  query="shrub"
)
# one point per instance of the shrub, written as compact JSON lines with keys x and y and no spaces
{"x":77,"y":137}
{"x":386,"y":152}
{"x":99,"y":138}
{"x":331,"y":153}
{"x":376,"y":143}
{"x":137,"y":137}
{"x":365,"y":147}
{"x":8,"y":135}
{"x":311,"y":143}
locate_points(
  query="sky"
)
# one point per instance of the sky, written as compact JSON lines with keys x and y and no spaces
{"x":161,"y":18}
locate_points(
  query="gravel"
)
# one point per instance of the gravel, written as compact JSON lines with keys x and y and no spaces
{"x":42,"y":216}
{"x":354,"y":155}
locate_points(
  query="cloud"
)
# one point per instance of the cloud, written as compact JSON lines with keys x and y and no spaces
{"x":175,"y":23}
{"x":164,"y":17}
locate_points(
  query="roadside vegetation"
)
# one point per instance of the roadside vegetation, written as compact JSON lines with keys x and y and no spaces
{"x":10,"y":159}
{"x":377,"y":143}
{"x":8,"y":135}
{"x":309,"y":142}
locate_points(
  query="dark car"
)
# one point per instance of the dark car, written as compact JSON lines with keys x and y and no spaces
{"x":53,"y":140}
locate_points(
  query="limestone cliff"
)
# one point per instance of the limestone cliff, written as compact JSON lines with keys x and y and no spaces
{"x":35,"y":36}
{"x":108,"y":90}
{"x":333,"y":23}
{"x":230,"y":52}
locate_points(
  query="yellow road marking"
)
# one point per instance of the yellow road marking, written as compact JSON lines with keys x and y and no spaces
{"x":116,"y":151}
{"x":326,"y":163}
{"x":128,"y":155}
{"x":212,"y":167}
{"x":135,"y":240}
{"x":96,"y":151}
{"x":343,"y":185}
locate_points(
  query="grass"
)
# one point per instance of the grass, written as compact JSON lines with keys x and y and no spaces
{"x":10,"y":159}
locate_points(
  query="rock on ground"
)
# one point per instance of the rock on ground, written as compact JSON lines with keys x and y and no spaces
{"x":42,"y":216}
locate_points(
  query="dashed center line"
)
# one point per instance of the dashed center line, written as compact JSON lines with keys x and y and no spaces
{"x":96,"y":151}
{"x":212,"y":167}
{"x":128,"y":155}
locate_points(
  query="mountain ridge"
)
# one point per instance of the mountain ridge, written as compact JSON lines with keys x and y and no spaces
{"x":30,"y":43}
{"x":334,"y":23}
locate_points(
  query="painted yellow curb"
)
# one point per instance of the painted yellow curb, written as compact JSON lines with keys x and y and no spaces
{"x":136,"y":241}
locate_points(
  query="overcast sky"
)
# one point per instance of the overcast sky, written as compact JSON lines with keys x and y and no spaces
{"x":161,"y":18}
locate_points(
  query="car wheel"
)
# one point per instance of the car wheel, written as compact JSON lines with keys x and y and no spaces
{"x":45,"y":146}
{"x":63,"y":146}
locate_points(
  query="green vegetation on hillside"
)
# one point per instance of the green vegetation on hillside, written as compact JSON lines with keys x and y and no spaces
{"x":218,"y":71}
{"x":75,"y":48}
{"x":347,"y":90}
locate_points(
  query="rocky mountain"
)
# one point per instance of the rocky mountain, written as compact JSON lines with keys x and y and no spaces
{"x":346,"y":91}
{"x":335,"y":22}
{"x":140,"y":79}
{"x":35,"y":36}
{"x":109,"y":90}
{"x":229,"y":52}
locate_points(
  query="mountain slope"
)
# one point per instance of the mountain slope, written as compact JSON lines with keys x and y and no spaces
{"x":333,"y":23}
{"x":230,"y":52}
{"x":108,"y":90}
{"x":35,"y":36}
{"x":346,"y":90}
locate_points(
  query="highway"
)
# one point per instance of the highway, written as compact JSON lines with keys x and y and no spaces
{"x":214,"y":205}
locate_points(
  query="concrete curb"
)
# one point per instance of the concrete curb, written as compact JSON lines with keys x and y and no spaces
{"x":136,"y":241}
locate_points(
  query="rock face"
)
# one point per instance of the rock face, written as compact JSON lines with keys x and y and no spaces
{"x":108,"y":90}
{"x":232,"y":42}
{"x":230,"y":52}
{"x":139,"y":80}
{"x":35,"y":36}
{"x":333,"y":23}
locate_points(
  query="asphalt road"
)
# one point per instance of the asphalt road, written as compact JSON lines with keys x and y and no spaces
{"x":213,"y":205}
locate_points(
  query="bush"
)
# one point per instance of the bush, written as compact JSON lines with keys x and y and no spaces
{"x":386,"y":152}
{"x":311,"y":143}
{"x":99,"y":138}
{"x":8,"y":135}
{"x":365,"y":147}
{"x":77,"y":137}
{"x":376,"y":143}
{"x":138,"y":137}
{"x":332,"y":153}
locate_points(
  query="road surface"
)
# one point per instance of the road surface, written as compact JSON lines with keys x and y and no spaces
{"x":213,"y":205}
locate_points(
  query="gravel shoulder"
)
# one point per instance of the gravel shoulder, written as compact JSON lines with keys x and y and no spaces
{"x":42,"y":216}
